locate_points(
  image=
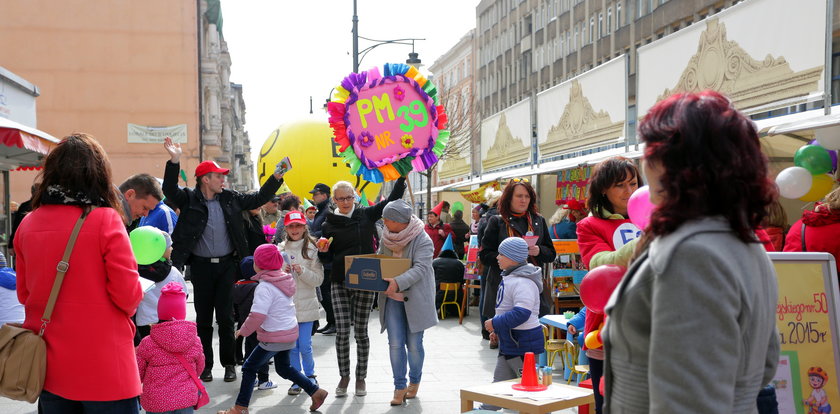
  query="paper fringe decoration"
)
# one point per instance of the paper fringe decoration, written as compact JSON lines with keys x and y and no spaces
{"x":416,"y":159}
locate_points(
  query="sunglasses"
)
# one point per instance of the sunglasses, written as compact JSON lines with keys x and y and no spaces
{"x":519,"y":180}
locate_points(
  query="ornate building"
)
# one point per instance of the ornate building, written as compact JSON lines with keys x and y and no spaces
{"x":222,"y":112}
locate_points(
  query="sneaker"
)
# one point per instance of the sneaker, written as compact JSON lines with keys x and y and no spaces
{"x":267,"y":385}
{"x":294,"y":390}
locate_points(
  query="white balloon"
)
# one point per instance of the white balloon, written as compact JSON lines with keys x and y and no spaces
{"x":794,"y":182}
{"x":829,"y":138}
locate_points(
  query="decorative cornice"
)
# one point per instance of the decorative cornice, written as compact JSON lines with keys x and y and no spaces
{"x":580,"y":125}
{"x":506,"y":149}
{"x":722,"y":65}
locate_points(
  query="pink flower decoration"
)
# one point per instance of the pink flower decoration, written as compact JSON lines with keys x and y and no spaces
{"x":399,"y":93}
{"x":365,"y":139}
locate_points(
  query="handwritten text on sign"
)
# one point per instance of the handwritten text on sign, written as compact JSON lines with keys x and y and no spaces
{"x":388,"y":121}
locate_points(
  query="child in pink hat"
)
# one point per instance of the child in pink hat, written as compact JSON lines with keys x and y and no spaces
{"x":277,"y":331}
{"x":167,"y":384}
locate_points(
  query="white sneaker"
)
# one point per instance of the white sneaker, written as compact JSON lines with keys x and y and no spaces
{"x":267,"y":385}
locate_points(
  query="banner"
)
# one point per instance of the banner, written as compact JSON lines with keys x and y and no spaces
{"x":571,"y":184}
{"x":807,"y":318}
{"x":142,"y":134}
{"x":477,"y":196}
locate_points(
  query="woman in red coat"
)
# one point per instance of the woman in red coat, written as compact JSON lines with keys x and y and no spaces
{"x":91,"y":366}
{"x":821,"y":227}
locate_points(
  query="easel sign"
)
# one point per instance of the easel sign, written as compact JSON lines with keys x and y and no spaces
{"x":808,"y":319}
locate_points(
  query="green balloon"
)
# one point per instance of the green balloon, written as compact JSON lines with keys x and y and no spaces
{"x":148,"y":244}
{"x":456,"y":206}
{"x":813,"y":158}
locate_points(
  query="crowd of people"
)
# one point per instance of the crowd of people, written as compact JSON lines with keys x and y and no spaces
{"x":262,"y":266}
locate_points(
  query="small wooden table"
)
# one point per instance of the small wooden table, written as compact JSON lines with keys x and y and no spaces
{"x":481,"y":393}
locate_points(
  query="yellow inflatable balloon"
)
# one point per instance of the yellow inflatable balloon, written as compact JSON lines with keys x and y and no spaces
{"x":314,"y":156}
{"x":821,"y":184}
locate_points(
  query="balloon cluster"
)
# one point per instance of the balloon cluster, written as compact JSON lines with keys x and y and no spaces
{"x":810,"y":178}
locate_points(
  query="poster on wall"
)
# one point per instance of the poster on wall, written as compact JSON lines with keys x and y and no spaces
{"x":807,"y":316}
{"x":571,"y":184}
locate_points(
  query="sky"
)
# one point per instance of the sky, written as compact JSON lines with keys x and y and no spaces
{"x":285,"y":51}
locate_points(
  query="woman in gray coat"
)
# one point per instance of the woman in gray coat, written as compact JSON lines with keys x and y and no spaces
{"x":407,"y":308}
{"x":691,"y":328}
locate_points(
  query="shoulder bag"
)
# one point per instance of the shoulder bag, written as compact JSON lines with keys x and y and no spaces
{"x":203,"y":398}
{"x":23,"y":353}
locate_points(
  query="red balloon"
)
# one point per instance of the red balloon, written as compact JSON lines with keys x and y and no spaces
{"x":598,"y":285}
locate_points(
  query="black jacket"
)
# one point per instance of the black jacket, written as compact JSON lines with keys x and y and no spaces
{"x":193,"y":217}
{"x":253,"y":231}
{"x":460,"y":230}
{"x":448,"y":269}
{"x":354,"y":235}
{"x":323,"y":209}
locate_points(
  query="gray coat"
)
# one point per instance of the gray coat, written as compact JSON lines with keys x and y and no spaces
{"x":691,"y":327}
{"x":417,"y":284}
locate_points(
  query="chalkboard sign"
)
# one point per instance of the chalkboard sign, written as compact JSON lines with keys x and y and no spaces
{"x":807,"y":316}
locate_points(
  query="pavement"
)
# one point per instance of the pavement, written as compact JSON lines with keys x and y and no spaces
{"x":456,"y":357}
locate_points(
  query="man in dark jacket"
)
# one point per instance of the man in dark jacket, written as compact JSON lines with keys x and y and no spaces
{"x":321,"y":198}
{"x":210,"y":237}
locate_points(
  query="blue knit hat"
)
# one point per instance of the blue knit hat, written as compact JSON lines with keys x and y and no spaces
{"x":514,"y":248}
{"x":247,"y":267}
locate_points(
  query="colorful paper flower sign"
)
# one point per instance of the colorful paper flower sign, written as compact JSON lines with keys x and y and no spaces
{"x":388,"y":125}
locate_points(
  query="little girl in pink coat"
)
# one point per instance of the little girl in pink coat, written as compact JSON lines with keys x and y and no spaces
{"x":167,"y":386}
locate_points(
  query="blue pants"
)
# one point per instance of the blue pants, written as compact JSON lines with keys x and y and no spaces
{"x":400,"y":339}
{"x":260,"y":357}
{"x":303,"y":350}
{"x":49,"y":403}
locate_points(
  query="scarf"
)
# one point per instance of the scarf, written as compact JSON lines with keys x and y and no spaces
{"x":57,"y":194}
{"x":396,"y":242}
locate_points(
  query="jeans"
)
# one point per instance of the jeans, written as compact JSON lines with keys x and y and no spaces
{"x":213,"y":291}
{"x":303,"y":350}
{"x":188,"y":410}
{"x":401,"y":338}
{"x":252,"y":342}
{"x":49,"y":403}
{"x":506,"y":369}
{"x":260,"y":357}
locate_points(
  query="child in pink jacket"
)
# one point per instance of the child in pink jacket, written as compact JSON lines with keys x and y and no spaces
{"x":273,"y":318}
{"x":167,"y":386}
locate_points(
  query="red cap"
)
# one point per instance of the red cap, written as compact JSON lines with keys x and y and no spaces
{"x":575,"y":205}
{"x":207,"y":167}
{"x":438,"y":209}
{"x":294,"y":217}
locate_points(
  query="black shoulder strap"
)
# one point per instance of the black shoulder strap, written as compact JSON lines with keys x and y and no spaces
{"x":802,"y":238}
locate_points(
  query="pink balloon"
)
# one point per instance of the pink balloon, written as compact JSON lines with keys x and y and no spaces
{"x":639,"y":207}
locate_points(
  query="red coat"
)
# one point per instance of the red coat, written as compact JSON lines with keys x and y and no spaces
{"x":90,"y":340}
{"x":822,"y":234}
{"x":437,"y":239}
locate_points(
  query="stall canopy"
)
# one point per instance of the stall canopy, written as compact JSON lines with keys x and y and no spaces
{"x":23,"y":147}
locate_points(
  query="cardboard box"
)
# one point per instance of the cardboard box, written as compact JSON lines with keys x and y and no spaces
{"x":369,"y":271}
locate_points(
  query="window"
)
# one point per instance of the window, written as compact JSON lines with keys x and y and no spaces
{"x":618,"y":22}
{"x":591,"y":29}
{"x":600,"y":25}
{"x":609,"y":20}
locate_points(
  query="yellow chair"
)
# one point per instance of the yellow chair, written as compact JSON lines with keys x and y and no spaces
{"x":552,"y":347}
{"x":446,"y":288}
{"x":571,"y":353}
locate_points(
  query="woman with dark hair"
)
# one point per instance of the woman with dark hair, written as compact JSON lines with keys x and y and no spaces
{"x":91,"y":365}
{"x":695,"y":312}
{"x":518,"y":217}
{"x":606,"y":237}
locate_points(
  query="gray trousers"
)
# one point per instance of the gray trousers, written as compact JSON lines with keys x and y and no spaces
{"x":506,"y":369}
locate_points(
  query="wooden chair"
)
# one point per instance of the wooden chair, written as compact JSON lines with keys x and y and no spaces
{"x":468,"y":284}
{"x":571,"y":353}
{"x":553,"y":347}
{"x":446,"y":288}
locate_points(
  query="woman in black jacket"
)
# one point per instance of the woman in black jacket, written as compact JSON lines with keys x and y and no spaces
{"x":518,"y":217}
{"x":353,"y":230}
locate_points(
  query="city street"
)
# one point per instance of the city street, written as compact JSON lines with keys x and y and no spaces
{"x":456,"y":357}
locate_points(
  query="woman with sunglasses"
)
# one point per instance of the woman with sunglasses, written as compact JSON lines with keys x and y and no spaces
{"x":518,"y":217}
{"x":352,"y":229}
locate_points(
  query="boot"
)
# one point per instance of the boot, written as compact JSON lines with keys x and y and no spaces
{"x":412,"y":390}
{"x":318,"y":399}
{"x":399,"y":397}
{"x":237,"y":409}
